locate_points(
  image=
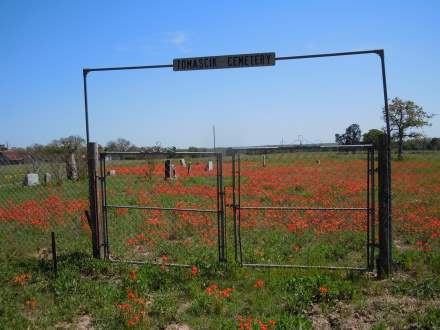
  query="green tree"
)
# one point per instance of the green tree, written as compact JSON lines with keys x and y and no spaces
{"x":69,"y":147}
{"x":372,"y":136}
{"x":68,"y":144}
{"x":119,"y":145}
{"x":434,"y":144}
{"x":403,"y":116}
{"x":352,"y":135}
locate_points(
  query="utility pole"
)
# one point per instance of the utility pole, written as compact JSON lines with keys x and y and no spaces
{"x":213,"y":134}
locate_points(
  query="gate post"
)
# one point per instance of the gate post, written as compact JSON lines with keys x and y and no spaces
{"x":384,"y":260}
{"x":96,"y":223}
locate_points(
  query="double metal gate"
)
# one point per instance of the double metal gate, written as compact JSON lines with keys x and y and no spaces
{"x":237,"y":206}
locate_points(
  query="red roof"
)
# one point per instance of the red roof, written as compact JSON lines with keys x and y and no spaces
{"x":14,"y":155}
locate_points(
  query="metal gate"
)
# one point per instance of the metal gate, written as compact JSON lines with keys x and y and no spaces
{"x":365,"y":169}
{"x":129,"y":183}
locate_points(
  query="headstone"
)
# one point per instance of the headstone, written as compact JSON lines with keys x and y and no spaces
{"x":173,"y":171}
{"x":209,"y":166}
{"x":31,"y":179}
{"x":318,"y":161}
{"x":167,"y":169}
{"x":189,"y":167}
{"x":111,"y":173}
{"x":47,"y":178}
{"x":264,"y":160}
{"x":71,"y":168}
{"x":182,"y":162}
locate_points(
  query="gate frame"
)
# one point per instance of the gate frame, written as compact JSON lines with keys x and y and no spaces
{"x":385,"y":258}
{"x":370,"y":201}
{"x":103,"y":206}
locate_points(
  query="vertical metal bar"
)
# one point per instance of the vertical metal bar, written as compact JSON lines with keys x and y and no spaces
{"x":104,"y":206}
{"x":86,"y":106}
{"x":218,"y":213}
{"x":368,"y":208}
{"x":92,"y":151}
{"x":54,"y":254}
{"x":373,"y":208}
{"x":234,"y":207}
{"x":388,"y":160}
{"x":222,"y":205}
{"x":239,"y":208}
{"x":384,"y":266}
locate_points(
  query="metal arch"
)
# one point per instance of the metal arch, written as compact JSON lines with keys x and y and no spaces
{"x":379,"y":52}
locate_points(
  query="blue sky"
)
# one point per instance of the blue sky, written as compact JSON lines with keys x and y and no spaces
{"x":45,"y":45}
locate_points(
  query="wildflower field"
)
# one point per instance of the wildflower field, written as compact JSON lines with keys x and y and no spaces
{"x":207,"y":294}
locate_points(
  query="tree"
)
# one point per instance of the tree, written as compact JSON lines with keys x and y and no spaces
{"x":352,"y":135}
{"x":404,"y":115}
{"x":372,"y":136}
{"x":434,"y":144}
{"x":119,"y":145}
{"x":68,"y":146}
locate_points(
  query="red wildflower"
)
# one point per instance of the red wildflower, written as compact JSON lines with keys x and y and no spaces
{"x":259,"y":283}
{"x":211,"y":289}
{"x":32,"y":303}
{"x":131,"y":295}
{"x":323,"y":290}
{"x":226,"y":292}
{"x":133,"y":275}
{"x":124,"y":306}
{"x":21,"y":279}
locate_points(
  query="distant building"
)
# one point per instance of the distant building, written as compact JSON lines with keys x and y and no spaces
{"x":12,"y":157}
{"x":3,"y":147}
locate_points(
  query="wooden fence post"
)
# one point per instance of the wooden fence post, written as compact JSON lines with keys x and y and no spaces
{"x":96,"y":223}
{"x":384,"y":260}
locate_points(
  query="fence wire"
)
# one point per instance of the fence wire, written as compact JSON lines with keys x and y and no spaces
{"x":307,"y":207}
{"x":162,"y":215}
{"x":40,"y":194}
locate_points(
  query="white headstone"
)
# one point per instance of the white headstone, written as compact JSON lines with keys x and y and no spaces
{"x":209,"y":166}
{"x":47,"y":178}
{"x":111,"y":172}
{"x":182,"y":162}
{"x":31,"y":179}
{"x":264,"y":160}
{"x":173,"y":171}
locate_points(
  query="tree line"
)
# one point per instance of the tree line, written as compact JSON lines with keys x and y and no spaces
{"x":404,"y":118}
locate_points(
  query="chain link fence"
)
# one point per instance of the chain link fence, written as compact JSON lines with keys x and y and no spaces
{"x":155,"y":219}
{"x":40,"y":194}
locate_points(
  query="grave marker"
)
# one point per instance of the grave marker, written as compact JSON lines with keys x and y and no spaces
{"x":47,"y":178}
{"x":209,"y":166}
{"x":31,"y":179}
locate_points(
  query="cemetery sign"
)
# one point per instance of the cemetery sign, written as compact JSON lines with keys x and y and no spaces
{"x":224,"y":62}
